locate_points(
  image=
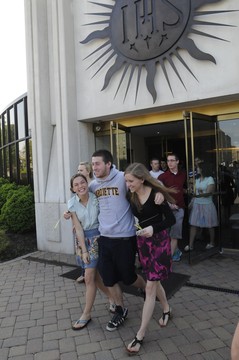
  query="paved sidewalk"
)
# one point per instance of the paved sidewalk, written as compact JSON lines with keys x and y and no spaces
{"x":37,"y":307}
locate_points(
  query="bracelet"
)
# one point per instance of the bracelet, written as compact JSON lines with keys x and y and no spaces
{"x":84,"y":252}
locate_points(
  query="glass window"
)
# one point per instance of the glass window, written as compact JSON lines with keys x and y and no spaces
{"x":22,"y":160}
{"x":12,"y":125}
{"x":229,"y":141}
{"x":229,"y":177}
{"x":15,"y":149}
{"x":1,"y":133}
{"x":21,"y":121}
{"x":13,"y":162}
{"x":5,"y":129}
{"x":6,"y":153}
{"x":1,"y":162}
{"x":30,"y":159}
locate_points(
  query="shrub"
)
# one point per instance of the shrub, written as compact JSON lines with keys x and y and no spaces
{"x":6,"y":189}
{"x":18,"y":212}
{"x":4,"y":181}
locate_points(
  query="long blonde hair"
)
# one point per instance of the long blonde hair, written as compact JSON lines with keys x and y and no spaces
{"x":88,"y":168}
{"x":140,"y":171}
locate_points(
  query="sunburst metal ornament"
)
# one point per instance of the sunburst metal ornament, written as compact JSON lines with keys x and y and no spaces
{"x":147,"y":34}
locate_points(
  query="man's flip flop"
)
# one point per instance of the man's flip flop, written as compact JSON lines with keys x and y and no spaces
{"x":84,"y":323}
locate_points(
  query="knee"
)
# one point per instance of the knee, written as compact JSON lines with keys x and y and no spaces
{"x":151,"y":288}
{"x":89,"y":278}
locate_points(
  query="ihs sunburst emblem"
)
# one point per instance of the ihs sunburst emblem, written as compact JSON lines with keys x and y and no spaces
{"x":146,"y":34}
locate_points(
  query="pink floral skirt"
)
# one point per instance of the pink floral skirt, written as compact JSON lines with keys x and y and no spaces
{"x":155,"y":255}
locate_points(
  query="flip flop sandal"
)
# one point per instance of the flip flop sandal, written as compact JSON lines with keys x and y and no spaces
{"x":166,"y":316}
{"x":80,"y":321}
{"x":80,"y":279}
{"x":134,"y":343}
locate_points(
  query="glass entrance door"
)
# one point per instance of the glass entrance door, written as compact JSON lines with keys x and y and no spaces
{"x":115,"y":138}
{"x":201,"y":146}
{"x":193,"y":136}
{"x":228,"y":139}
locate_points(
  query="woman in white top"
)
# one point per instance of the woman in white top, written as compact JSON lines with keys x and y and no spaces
{"x":85,"y":169}
{"x":203,"y":213}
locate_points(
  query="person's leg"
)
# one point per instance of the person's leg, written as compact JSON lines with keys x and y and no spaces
{"x":90,"y":282}
{"x":116,"y":294}
{"x":120,"y":312}
{"x":108,"y":256}
{"x":192,"y":235}
{"x":139,"y":283}
{"x":161,"y":295}
{"x":174,"y":245}
{"x":100,"y":285}
{"x":176,"y":233}
{"x":148,"y":308}
{"x":212,"y":235}
{"x":235,"y":344}
{"x":106,"y":278}
{"x":125,"y":255}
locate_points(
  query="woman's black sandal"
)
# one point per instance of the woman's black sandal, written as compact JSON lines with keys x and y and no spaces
{"x":134,"y":343}
{"x":165,"y":317}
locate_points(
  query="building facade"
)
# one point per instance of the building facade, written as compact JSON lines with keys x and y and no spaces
{"x":15,"y":143}
{"x":141,"y":78}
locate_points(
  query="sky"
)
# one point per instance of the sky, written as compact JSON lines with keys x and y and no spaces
{"x":13,"y":82}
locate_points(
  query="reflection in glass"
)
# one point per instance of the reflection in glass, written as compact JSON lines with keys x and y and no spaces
{"x":1,"y":162}
{"x":21,"y":120}
{"x":12,"y":125}
{"x":6,"y":153}
{"x":30,"y":160}
{"x":229,"y":178}
{"x":5,"y":129}
{"x":1,"y":134}
{"x":229,"y":142}
{"x":13,"y":162}
{"x":23,"y":162}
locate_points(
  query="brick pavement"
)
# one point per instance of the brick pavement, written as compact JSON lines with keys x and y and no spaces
{"x":37,"y":307}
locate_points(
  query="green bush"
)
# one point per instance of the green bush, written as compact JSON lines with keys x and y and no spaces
{"x":18,"y":212}
{"x":4,"y":181}
{"x":6,"y":189}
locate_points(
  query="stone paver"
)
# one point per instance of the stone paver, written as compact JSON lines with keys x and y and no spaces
{"x":38,"y":306}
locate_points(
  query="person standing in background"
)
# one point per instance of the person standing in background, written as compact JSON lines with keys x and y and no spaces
{"x":203,"y":213}
{"x":85,"y":168}
{"x":175,"y":178}
{"x":163,"y":165}
{"x":155,"y":168}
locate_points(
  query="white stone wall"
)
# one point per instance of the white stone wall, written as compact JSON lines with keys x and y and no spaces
{"x":213,"y":80}
{"x":59,"y":140}
{"x":61,"y":94}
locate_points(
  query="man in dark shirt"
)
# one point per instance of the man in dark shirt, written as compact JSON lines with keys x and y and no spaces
{"x":176,"y":178}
